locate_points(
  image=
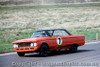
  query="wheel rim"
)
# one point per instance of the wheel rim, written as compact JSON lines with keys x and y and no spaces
{"x":75,"y":48}
{"x":45,"y":50}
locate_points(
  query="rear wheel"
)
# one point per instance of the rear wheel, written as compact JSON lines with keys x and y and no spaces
{"x":20,"y":53}
{"x":44,"y":50}
{"x":73,"y":48}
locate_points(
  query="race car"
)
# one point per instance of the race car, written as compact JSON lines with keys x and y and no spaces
{"x":48,"y":40}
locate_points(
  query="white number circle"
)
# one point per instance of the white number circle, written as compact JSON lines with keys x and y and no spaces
{"x":59,"y":41}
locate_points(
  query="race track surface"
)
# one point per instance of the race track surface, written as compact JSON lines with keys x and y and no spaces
{"x":87,"y":56}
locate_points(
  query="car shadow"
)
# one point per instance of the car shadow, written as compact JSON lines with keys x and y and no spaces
{"x":55,"y":53}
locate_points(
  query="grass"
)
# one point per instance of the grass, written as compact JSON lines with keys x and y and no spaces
{"x":6,"y":39}
{"x":20,"y":22}
{"x":89,"y":35}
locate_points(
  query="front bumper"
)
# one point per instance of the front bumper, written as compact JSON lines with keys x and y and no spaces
{"x":26,"y":49}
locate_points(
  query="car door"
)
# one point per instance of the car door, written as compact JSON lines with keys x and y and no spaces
{"x":60,"y":38}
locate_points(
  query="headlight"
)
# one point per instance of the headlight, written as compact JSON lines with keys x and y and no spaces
{"x":33,"y":44}
{"x":15,"y":45}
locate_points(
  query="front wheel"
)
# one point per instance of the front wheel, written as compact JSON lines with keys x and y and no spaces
{"x":20,"y":53}
{"x":44,"y":50}
{"x":73,"y":48}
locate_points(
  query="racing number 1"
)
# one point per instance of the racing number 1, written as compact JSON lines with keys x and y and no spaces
{"x":59,"y":41}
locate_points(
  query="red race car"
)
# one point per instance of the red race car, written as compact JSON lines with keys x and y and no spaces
{"x":44,"y":41}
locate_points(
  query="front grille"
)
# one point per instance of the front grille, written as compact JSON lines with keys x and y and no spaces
{"x":24,"y":45}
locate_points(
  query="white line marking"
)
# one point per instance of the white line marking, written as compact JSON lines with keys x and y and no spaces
{"x":4,"y":54}
{"x":93,"y":42}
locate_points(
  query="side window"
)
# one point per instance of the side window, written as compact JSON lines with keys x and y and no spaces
{"x":57,"y":33}
{"x":49,"y":33}
{"x":60,"y":33}
{"x":64,"y":33}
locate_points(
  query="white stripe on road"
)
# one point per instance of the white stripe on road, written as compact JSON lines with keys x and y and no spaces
{"x":93,"y":42}
{"x":4,"y":54}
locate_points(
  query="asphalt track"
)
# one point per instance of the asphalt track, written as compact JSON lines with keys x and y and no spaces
{"x":87,"y":56}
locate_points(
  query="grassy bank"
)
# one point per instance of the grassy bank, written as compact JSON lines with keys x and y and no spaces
{"x":20,"y":22}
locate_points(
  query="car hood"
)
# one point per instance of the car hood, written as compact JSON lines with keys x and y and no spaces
{"x":27,"y":40}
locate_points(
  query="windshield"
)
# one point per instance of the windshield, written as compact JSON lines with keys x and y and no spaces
{"x":42,"y":33}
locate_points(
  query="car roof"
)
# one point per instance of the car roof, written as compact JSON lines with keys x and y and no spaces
{"x":54,"y":30}
{"x":50,"y":29}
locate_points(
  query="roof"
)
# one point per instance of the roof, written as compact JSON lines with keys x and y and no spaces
{"x":51,"y":29}
{"x":54,"y":29}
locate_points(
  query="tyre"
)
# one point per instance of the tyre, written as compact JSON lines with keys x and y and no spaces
{"x":20,"y":53}
{"x":73,"y":49}
{"x":44,"y":50}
